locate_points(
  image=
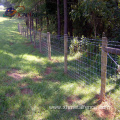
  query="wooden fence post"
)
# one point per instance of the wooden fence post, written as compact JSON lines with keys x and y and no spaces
{"x":40,"y":41}
{"x":34,"y":39}
{"x":49,"y":45}
{"x":23,"y":31}
{"x":27,"y":32}
{"x":65,"y":53}
{"x":31,"y":35}
{"x":18,"y":27}
{"x":103,"y":67}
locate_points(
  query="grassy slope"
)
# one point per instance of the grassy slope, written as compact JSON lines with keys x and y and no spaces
{"x":52,"y":90}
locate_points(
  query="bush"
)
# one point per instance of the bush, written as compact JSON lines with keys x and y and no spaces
{"x":74,"y":46}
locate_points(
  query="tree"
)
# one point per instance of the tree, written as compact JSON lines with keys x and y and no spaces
{"x":65,"y":17}
{"x":81,"y":17}
{"x":96,"y":13}
{"x":58,"y":17}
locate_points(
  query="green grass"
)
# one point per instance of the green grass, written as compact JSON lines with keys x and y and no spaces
{"x":52,"y":90}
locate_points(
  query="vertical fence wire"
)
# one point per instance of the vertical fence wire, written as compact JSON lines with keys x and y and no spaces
{"x":112,"y":73}
{"x":85,"y":64}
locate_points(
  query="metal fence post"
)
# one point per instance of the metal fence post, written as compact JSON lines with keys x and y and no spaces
{"x":65,"y":53}
{"x":103,"y":68}
{"x":40,"y":41}
{"x":49,"y":45}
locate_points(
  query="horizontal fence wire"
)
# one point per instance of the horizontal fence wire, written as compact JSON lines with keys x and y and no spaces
{"x":112,"y":73}
{"x":57,"y":45}
{"x":57,"y":51}
{"x":84,"y":55}
{"x":86,"y":63}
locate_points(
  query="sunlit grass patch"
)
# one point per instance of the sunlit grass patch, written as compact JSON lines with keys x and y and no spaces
{"x":1,"y":16}
{"x":2,"y":19}
{"x":77,"y":56}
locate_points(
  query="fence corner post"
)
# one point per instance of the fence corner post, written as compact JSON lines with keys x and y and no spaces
{"x":40,"y":42}
{"x":49,"y":45}
{"x":65,"y":52}
{"x":103,"y":67}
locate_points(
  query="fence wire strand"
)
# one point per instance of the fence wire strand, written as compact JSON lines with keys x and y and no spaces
{"x":85,"y":64}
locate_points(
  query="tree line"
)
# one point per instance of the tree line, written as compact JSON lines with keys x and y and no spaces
{"x":73,"y":17}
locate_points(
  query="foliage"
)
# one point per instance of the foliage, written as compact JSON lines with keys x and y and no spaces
{"x":75,"y":46}
{"x":96,"y":13}
{"x":85,"y":17}
{"x":84,"y":45}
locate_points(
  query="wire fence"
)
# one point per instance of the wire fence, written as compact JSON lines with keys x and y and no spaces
{"x":40,"y":41}
{"x":83,"y":57}
{"x":113,"y":62}
{"x":86,"y":63}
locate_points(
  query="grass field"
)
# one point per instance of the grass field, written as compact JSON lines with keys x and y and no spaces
{"x":34,"y":88}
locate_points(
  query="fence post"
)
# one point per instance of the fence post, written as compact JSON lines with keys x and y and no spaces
{"x":65,"y":53}
{"x":40,"y":41}
{"x":34,"y":39}
{"x":18,"y":27}
{"x":27,"y":32}
{"x":23,"y":31}
{"x":103,"y":68}
{"x":49,"y":45}
{"x":31,"y":35}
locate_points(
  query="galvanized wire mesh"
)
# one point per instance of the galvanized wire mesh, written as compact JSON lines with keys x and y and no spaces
{"x":57,"y":45}
{"x":44,"y":48}
{"x":85,"y":63}
{"x":57,"y":42}
{"x":112,"y":73}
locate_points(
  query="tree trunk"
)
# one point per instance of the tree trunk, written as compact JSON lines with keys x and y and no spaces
{"x":95,"y":30}
{"x":65,"y":17}
{"x":41,"y":23}
{"x":36,"y":19}
{"x":32,"y":23}
{"x":116,"y":1}
{"x":58,"y":17}
{"x":47,"y":23}
{"x":36,"y":23}
{"x":70,"y":22}
{"x":95,"y":25}
{"x":30,"y":27}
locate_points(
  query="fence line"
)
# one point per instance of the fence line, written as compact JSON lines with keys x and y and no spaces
{"x":84,"y":59}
